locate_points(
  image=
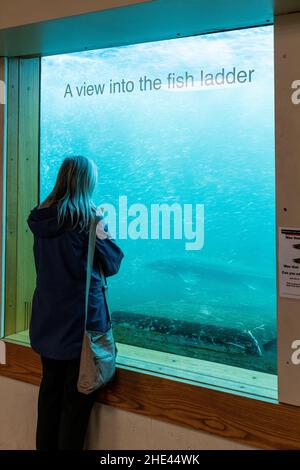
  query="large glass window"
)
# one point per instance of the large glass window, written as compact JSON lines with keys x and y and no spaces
{"x":182,"y":132}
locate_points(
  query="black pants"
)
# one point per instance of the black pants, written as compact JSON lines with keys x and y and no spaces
{"x":63,"y":412}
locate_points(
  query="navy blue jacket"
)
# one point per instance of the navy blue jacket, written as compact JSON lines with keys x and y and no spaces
{"x":57,"y":320}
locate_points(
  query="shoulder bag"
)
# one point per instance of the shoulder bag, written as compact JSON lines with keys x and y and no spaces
{"x":98,"y":353}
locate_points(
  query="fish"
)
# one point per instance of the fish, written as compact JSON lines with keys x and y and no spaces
{"x":191,"y":272}
{"x":197,"y":335}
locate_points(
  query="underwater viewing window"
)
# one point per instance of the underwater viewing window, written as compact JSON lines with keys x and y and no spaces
{"x":182,"y":132}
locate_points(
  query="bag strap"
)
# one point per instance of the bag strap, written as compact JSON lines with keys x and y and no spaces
{"x":104,"y":289}
{"x":89,"y":264}
{"x":89,"y":267}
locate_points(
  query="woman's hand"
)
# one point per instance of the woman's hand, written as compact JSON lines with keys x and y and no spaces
{"x":100,"y":211}
{"x":101,"y":228}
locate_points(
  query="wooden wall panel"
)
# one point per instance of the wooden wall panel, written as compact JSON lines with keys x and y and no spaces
{"x":2,"y":162}
{"x":28,"y":177}
{"x":21,"y":188}
{"x":12,"y":200}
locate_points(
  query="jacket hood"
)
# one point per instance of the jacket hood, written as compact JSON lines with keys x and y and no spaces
{"x":43,"y":222}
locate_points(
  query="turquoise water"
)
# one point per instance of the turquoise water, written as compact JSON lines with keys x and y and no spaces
{"x":203,"y":144}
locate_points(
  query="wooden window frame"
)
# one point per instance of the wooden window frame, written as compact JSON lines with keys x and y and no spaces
{"x":250,"y":421}
{"x":22,"y":178}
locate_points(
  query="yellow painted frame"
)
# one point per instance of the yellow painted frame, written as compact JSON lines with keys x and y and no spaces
{"x":23,"y":101}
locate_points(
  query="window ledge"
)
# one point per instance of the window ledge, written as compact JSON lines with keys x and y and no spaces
{"x":236,"y":380}
{"x":223,"y":377}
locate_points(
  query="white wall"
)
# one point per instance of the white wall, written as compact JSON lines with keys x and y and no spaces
{"x":110,"y":428}
{"x":287,"y":70}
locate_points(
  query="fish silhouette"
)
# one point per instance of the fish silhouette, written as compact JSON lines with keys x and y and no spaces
{"x":192,"y":272}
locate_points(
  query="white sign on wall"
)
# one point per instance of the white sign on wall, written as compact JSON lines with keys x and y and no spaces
{"x":289,"y":262}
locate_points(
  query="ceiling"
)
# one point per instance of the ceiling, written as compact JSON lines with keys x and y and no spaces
{"x":141,"y":22}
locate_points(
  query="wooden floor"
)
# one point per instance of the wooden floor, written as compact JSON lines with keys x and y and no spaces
{"x":189,"y":370}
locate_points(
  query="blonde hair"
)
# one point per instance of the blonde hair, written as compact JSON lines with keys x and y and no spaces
{"x":73,"y":191}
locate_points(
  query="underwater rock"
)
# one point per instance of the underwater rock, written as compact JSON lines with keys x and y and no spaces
{"x":218,"y":338}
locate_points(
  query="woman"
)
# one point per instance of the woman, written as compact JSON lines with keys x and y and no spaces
{"x":60,"y":226}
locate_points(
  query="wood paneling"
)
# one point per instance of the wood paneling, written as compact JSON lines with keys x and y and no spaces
{"x":28,"y":177}
{"x":21,"y":188}
{"x":22,"y":364}
{"x":12,"y":196}
{"x":2,"y":164}
{"x":251,"y":422}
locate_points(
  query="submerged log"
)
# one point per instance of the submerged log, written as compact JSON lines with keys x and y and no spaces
{"x":181,"y":332}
